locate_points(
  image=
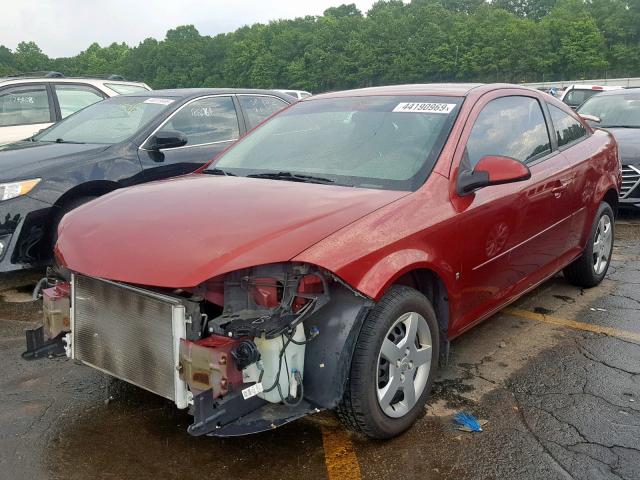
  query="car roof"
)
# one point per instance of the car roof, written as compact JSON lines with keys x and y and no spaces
{"x":584,"y":86}
{"x":431,"y":89}
{"x":187,"y":93}
{"x":449,"y":89}
{"x":622,"y":91}
{"x":29,"y":79}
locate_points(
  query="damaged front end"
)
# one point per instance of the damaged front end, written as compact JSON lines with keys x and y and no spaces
{"x":247,"y":351}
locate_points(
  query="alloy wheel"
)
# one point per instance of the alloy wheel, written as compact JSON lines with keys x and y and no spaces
{"x":602,"y":245}
{"x":404,"y":362}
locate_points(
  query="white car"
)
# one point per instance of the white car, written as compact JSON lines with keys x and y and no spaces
{"x":299,"y":94}
{"x":29,"y":104}
{"x":576,"y":94}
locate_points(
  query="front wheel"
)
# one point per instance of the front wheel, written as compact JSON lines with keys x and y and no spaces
{"x":393,"y":366}
{"x":589,"y":269}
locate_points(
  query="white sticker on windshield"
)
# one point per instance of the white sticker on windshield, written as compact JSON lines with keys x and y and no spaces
{"x":159,"y":101}
{"x":425,"y":107}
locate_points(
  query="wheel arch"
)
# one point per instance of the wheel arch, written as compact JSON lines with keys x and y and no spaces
{"x":432,"y":286}
{"x":612,"y":198}
{"x":93,"y":188}
{"x":417,"y":269}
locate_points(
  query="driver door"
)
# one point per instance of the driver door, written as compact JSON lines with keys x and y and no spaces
{"x":210,"y":125}
{"x":516,"y":231}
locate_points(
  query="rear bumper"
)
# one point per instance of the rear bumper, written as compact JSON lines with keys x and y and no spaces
{"x":23,"y":233}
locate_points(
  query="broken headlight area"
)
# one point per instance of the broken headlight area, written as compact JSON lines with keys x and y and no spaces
{"x":49,"y":339}
{"x":255,"y":346}
{"x":246,"y":351}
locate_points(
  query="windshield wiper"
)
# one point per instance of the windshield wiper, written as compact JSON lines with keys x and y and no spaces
{"x":292,"y":177}
{"x":219,"y":171}
{"x":61,"y":140}
{"x":617,"y":126}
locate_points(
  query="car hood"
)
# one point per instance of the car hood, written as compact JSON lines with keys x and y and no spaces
{"x":628,"y":144}
{"x":26,"y":159}
{"x":181,"y":232}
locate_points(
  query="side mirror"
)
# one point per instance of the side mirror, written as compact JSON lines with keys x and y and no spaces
{"x":492,"y":170}
{"x":167,"y":139}
{"x":590,"y":118}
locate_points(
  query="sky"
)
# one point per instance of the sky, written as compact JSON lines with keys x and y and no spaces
{"x":64,"y":28}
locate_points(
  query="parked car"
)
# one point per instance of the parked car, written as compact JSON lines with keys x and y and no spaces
{"x":618,"y":112}
{"x":299,"y":94}
{"x":122,"y":141}
{"x":30,"y":103}
{"x":328,"y":258}
{"x":576,"y":95}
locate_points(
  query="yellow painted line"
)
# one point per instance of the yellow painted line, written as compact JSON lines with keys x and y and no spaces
{"x":339,"y":454}
{"x":563,"y":322}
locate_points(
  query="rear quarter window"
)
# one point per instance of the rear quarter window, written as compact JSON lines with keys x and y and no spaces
{"x":258,"y":108}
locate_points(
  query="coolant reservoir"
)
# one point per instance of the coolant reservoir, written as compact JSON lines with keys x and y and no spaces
{"x":270,"y":354}
{"x":56,"y":309}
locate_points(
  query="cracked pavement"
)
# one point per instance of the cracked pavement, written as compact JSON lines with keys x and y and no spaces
{"x":561,"y":403}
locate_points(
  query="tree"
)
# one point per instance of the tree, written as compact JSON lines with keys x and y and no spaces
{"x":7,"y":61}
{"x":28,"y":57}
{"x":394,"y":42}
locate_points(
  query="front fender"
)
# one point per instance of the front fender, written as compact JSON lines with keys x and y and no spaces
{"x":391,"y":267}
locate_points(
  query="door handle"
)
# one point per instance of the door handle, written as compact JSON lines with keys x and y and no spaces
{"x":559,"y":190}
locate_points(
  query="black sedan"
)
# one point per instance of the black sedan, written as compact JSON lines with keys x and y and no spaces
{"x":618,"y":111}
{"x":116,"y":143}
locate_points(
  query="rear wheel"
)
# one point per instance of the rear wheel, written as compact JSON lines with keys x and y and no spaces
{"x":393,"y":366}
{"x":590,"y":268}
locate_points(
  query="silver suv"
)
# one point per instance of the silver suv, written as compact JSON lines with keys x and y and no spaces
{"x":30,"y":102}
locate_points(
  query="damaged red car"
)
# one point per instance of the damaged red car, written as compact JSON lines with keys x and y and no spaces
{"x":326,"y":260}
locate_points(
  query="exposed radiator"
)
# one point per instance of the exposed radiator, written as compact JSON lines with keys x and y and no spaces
{"x":129,"y":333}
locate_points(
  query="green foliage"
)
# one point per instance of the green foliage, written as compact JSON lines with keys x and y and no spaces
{"x":394,"y":42}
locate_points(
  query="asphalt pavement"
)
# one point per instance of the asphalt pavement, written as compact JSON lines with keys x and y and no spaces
{"x":556,"y":377}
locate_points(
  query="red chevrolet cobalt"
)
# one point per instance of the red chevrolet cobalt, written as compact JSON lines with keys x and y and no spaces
{"x":328,"y":258}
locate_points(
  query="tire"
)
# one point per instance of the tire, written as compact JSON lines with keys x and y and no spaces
{"x":372,"y":375}
{"x":71,"y":205}
{"x":587,"y":271}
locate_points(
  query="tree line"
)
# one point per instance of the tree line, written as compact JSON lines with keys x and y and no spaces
{"x":394,"y":42}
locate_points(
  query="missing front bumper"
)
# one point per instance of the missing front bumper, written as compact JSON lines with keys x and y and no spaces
{"x":129,"y":333}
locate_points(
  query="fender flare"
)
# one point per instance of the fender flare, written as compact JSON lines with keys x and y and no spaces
{"x":390,"y":268}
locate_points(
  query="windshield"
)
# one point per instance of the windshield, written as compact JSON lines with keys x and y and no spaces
{"x":107,"y":122}
{"x":387,"y":142}
{"x":614,"y":110}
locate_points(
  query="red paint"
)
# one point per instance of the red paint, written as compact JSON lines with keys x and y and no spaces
{"x":503,"y":169}
{"x":180,"y":233}
{"x":488,"y":248}
{"x":266,"y":292}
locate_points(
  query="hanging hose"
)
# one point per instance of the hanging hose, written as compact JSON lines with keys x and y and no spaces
{"x":37,"y":291}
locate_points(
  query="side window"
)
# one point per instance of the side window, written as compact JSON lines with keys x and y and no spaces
{"x":72,"y":98}
{"x":511,"y":127}
{"x":574,"y":98}
{"x":24,"y":105}
{"x":207,"y":120}
{"x":257,"y":109}
{"x":567,"y":128}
